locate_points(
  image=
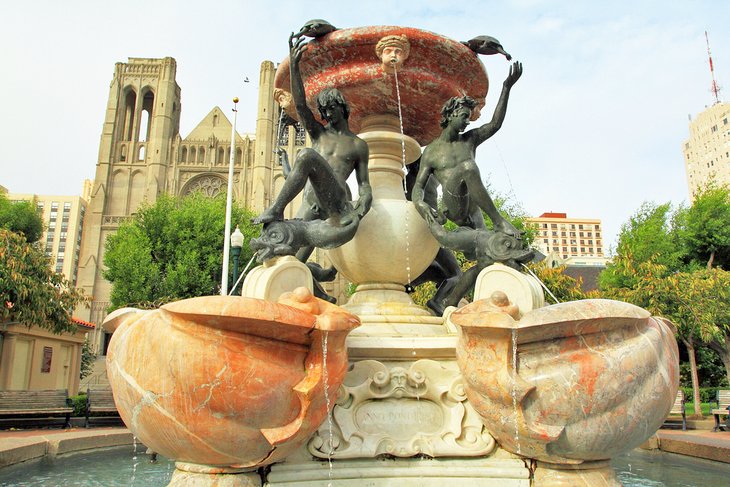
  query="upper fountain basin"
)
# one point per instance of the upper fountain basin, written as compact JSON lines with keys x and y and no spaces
{"x":437,"y":69}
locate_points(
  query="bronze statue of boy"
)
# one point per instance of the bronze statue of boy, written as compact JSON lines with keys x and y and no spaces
{"x":450,"y":159}
{"x":322,"y":171}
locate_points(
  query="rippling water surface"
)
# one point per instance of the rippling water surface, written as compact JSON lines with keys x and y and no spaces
{"x":122,"y":466}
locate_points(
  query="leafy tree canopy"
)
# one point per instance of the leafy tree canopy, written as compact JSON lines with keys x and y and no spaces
{"x":31,"y":293}
{"x":172,"y":249}
{"x":650,"y":235}
{"x":21,"y":217}
{"x":706,"y":227}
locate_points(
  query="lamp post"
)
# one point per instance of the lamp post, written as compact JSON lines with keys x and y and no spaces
{"x":236,"y":246}
{"x":229,"y":203}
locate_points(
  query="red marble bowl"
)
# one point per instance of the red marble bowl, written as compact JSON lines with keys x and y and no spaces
{"x":437,"y":69}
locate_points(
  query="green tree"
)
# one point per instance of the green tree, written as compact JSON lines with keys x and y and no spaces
{"x":706,"y":227}
{"x":561,"y":285}
{"x":30,"y":292}
{"x":88,"y":357}
{"x":663,"y":264}
{"x":651,"y":234}
{"x":172,"y":250}
{"x":21,"y":217}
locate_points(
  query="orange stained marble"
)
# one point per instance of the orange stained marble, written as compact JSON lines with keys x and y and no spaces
{"x":228,"y":381}
{"x":617,"y":366}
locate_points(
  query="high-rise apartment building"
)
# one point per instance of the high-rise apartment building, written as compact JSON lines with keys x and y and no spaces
{"x":63,"y":221}
{"x":573,"y":240}
{"x":707,"y":150}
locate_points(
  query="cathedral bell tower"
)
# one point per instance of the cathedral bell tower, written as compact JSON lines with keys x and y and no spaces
{"x":141,"y":124}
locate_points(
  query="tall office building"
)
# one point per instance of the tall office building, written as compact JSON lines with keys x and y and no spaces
{"x":63,"y":221}
{"x":707,"y":150}
{"x":573,"y":241}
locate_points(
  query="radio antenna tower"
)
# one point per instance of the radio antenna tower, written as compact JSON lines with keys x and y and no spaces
{"x":714,"y":88}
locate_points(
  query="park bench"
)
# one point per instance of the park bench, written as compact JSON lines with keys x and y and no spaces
{"x":723,"y":403}
{"x":99,"y":400}
{"x":677,"y":408}
{"x":36,"y":404}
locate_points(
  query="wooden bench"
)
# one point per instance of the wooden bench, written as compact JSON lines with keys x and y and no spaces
{"x":723,"y":403}
{"x":99,"y":400}
{"x":677,"y":408}
{"x":37,"y":404}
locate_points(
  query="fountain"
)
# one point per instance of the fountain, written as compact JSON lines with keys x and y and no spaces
{"x":256,"y":390}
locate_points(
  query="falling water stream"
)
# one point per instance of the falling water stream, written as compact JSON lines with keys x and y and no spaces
{"x":407,"y":235}
{"x":403,"y":161}
{"x":513,"y":392}
{"x":135,"y":462}
{"x":325,"y":378}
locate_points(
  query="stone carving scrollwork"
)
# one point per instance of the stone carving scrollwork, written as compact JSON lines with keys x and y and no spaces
{"x":388,"y":409}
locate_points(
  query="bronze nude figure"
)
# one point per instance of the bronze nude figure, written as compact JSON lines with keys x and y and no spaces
{"x":450,"y":161}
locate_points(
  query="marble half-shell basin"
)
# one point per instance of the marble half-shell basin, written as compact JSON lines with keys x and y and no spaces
{"x":437,"y":69}
{"x":568,"y":383}
{"x":226,"y":381}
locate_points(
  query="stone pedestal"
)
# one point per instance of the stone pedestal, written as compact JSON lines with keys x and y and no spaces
{"x":393,"y":244}
{"x":276,"y":277}
{"x":190,"y":474}
{"x":588,"y":474}
{"x":501,"y":469}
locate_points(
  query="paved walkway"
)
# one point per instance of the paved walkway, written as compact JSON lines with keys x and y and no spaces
{"x":21,"y":445}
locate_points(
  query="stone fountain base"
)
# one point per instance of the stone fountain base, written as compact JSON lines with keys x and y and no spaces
{"x":501,"y":469}
{"x":401,"y":421}
{"x":402,"y":418}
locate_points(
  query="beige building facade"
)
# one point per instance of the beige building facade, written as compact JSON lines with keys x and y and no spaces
{"x":573,"y":241}
{"x":142,"y":155}
{"x":36,"y":359}
{"x":707,"y":150}
{"x":63,"y":221}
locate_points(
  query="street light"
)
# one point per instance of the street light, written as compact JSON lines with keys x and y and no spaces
{"x":236,"y":246}
{"x":229,"y":199}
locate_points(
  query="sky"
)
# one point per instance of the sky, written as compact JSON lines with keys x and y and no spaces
{"x":594,"y":127}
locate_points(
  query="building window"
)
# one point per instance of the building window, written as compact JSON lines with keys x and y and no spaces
{"x":300,"y":136}
{"x":284,"y":135}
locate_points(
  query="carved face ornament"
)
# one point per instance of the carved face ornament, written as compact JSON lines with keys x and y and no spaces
{"x":393,"y":51}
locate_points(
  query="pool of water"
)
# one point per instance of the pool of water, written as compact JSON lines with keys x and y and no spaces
{"x":122,"y":466}
{"x":640,"y":468}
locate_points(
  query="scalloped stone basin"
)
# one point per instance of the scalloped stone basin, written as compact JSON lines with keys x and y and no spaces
{"x":225,"y":381}
{"x":593,"y":378}
{"x":437,"y":69}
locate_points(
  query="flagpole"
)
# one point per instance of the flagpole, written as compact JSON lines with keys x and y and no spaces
{"x":229,"y":204}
